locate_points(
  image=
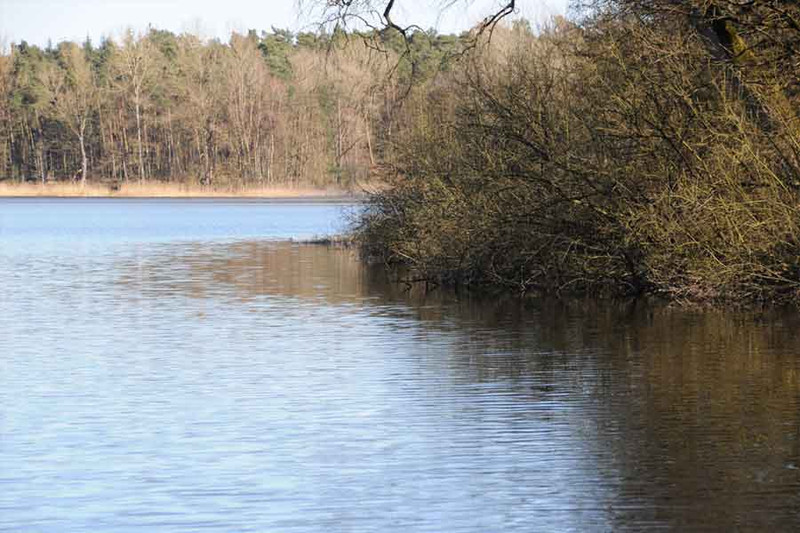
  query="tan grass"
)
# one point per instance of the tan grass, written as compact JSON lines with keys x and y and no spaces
{"x":162,"y":190}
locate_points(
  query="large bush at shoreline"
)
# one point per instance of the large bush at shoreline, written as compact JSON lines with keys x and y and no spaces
{"x":614,"y":156}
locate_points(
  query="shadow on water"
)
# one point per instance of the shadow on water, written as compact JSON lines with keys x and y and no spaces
{"x":686,"y":419}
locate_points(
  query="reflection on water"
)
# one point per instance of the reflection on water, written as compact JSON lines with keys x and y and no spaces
{"x":271,"y":386}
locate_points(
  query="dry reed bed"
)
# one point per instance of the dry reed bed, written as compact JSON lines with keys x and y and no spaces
{"x":162,"y":190}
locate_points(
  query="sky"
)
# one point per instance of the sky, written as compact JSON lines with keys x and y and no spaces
{"x":40,"y":21}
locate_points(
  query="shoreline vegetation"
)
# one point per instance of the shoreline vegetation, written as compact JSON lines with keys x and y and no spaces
{"x":171,"y":190}
{"x":644,"y":148}
{"x":637,"y":148}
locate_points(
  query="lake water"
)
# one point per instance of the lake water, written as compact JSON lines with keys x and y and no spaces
{"x":181,"y":366}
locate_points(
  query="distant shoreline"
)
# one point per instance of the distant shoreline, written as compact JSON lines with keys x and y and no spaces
{"x":173,"y":191}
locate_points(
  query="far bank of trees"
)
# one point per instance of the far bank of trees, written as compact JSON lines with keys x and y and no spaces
{"x":269,"y":108}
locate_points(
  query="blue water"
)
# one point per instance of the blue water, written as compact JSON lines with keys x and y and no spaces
{"x":182,"y":366}
{"x":99,"y":221}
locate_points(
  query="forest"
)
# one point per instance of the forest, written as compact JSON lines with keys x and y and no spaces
{"x":264,"y":109}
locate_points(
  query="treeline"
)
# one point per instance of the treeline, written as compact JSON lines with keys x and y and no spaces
{"x":646,"y":146}
{"x":262,"y":109}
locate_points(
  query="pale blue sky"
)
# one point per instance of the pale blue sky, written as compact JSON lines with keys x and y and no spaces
{"x":36,"y":21}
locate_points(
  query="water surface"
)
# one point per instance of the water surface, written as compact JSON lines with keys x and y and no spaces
{"x":181,"y":366}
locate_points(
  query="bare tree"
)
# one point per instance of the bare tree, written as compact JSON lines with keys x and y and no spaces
{"x":248,"y":98}
{"x":758,"y":41}
{"x":72,"y":92}
{"x":379,"y":14}
{"x":6,"y":131}
{"x":134,"y":73}
{"x":202,"y":90}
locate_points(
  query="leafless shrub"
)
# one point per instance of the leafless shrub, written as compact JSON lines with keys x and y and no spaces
{"x":617,"y":157}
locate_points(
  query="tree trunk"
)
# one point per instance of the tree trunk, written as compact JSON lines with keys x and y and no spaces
{"x":137,"y":105}
{"x":726,"y":45}
{"x":84,"y":159}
